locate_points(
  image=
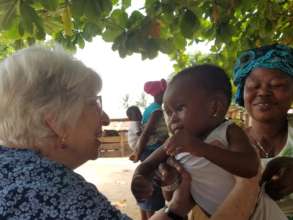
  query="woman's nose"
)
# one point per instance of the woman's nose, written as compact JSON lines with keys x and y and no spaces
{"x":264,"y":90}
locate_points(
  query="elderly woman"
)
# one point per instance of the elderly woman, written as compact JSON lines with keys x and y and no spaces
{"x":50,"y":122}
{"x":264,"y":77}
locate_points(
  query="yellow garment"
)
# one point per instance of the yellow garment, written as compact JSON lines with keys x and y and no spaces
{"x":197,"y":214}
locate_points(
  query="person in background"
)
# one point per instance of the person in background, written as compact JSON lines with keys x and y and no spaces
{"x":264,"y":80}
{"x":153,"y":136}
{"x":154,"y":127}
{"x":135,"y":128}
{"x":210,"y":148}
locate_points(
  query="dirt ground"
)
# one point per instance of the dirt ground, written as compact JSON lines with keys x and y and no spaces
{"x":112,"y":177}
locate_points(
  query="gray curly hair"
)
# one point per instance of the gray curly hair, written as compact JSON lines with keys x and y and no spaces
{"x":36,"y":81}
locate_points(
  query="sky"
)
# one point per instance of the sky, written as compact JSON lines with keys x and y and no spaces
{"x":122,"y":76}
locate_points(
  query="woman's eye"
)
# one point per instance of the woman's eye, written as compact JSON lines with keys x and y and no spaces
{"x":278,"y":84}
{"x":252,"y":85}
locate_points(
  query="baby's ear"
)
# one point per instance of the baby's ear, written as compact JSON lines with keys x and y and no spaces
{"x":218,"y":105}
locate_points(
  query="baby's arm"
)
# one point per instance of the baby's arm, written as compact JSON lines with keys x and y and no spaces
{"x":239,"y":159}
{"x":141,"y":184}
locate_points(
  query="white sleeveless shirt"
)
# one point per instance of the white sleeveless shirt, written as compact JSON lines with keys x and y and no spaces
{"x":211,"y":184}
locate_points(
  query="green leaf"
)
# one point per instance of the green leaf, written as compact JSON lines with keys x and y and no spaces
{"x":26,"y":16}
{"x":80,"y":41}
{"x":166,"y":46}
{"x":52,"y":25}
{"x":126,"y":4}
{"x":179,"y":41}
{"x":119,"y":17}
{"x":12,"y":32}
{"x":135,"y":19}
{"x":51,"y":5}
{"x":8,"y":15}
{"x":106,"y":6}
{"x":30,"y":40}
{"x":111,"y":34}
{"x":92,"y":29}
{"x":188,"y":24}
{"x":115,"y":2}
{"x":77,"y":7}
{"x":92,"y":9}
{"x":150,"y":3}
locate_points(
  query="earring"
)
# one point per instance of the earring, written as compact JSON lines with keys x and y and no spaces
{"x":63,"y":144}
{"x":215,"y":115}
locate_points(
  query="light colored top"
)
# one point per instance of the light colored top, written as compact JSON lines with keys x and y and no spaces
{"x":285,"y":204}
{"x":211,"y":184}
{"x":134,"y":130}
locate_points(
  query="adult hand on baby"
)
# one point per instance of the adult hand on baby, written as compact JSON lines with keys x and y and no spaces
{"x":141,"y":187}
{"x":278,"y":176}
{"x":181,"y":202}
{"x":183,"y":141}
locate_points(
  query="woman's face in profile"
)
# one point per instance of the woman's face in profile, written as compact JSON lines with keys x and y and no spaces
{"x":268,"y":94}
{"x":83,"y":138}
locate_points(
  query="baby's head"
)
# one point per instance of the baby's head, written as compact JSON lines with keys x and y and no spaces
{"x":197,"y":99}
{"x":133,"y":113}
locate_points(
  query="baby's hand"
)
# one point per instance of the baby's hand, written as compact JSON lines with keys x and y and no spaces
{"x":134,"y":157}
{"x":183,"y":141}
{"x":141,"y":187}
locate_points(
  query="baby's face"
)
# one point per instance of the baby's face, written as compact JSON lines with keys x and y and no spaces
{"x":186,"y":107}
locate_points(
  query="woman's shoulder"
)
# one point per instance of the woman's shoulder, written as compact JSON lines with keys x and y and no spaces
{"x":40,"y":187}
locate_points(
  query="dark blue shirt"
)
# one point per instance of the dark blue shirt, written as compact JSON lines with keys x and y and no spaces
{"x":33,"y":187}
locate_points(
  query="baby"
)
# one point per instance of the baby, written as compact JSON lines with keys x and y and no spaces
{"x":211,"y":148}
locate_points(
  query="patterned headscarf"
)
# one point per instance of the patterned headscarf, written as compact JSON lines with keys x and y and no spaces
{"x":155,"y":87}
{"x":275,"y":56}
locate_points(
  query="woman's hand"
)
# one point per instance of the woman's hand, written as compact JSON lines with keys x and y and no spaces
{"x":241,"y":201}
{"x":278,"y":177}
{"x":181,"y":202}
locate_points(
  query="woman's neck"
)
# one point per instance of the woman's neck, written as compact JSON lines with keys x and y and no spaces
{"x":269,"y":129}
{"x":272,"y":136}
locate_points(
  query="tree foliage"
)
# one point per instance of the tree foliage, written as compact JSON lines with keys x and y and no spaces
{"x":166,"y":26}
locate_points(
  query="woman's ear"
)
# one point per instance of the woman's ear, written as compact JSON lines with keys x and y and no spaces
{"x":56,"y":130}
{"x":51,"y":122}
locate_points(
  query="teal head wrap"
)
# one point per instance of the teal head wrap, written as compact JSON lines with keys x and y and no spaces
{"x":275,"y":56}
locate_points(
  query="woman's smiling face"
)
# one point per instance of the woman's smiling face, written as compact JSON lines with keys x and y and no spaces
{"x":268,"y":94}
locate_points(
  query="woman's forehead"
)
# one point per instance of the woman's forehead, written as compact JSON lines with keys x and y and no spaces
{"x":268,"y":73}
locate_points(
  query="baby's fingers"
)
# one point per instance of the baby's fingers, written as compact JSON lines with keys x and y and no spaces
{"x":170,"y":148}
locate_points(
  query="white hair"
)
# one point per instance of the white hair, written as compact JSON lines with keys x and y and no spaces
{"x":37,"y":81}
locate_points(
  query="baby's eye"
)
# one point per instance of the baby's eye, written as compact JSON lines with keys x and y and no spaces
{"x":179,"y":108}
{"x":167,"y":112}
